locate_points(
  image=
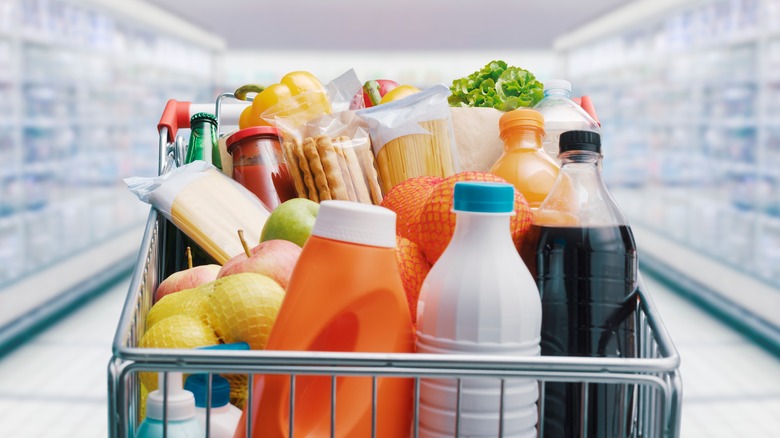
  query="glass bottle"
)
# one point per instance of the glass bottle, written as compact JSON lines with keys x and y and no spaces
{"x":203,"y":140}
{"x":582,"y":254}
{"x":202,"y":146}
{"x":523,"y":163}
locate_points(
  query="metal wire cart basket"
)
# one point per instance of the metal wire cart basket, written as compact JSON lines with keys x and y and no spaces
{"x":653,"y":377}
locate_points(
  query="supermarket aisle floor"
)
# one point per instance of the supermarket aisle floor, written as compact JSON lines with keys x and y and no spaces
{"x":55,"y":385}
{"x":731,"y":387}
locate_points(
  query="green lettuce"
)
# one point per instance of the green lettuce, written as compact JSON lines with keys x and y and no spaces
{"x":499,"y":86}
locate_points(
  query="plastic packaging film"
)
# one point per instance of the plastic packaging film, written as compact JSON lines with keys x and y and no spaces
{"x":331,"y":158}
{"x":413,"y":137}
{"x":206,"y":205}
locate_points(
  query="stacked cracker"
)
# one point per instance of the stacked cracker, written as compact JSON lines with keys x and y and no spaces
{"x":324,"y":168}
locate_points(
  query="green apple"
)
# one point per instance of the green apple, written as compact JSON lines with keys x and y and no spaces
{"x":293,"y":220}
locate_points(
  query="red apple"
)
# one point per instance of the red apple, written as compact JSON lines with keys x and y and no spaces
{"x":272,"y":258}
{"x":187,"y":279}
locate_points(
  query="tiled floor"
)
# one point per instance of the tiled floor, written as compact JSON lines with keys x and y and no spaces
{"x":731,"y":386}
{"x":55,"y":385}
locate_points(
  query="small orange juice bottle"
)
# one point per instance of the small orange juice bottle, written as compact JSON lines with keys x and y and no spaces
{"x":345,"y":295}
{"x":523,"y":163}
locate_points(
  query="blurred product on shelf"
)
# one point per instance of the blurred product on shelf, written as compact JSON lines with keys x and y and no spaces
{"x":524,"y":164}
{"x":77,"y":83}
{"x":703,"y":158}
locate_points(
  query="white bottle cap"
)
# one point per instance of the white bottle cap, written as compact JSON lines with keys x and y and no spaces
{"x":557,"y":84}
{"x":354,"y":222}
{"x":181,"y":403}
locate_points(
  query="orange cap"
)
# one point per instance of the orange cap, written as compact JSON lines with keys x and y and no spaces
{"x":521,"y":118}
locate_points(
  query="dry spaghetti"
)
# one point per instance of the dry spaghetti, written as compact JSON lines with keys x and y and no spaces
{"x":415,"y":155}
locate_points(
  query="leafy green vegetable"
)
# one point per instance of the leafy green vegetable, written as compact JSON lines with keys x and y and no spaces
{"x":499,"y":86}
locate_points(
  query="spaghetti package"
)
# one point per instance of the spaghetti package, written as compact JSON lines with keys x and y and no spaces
{"x":206,"y":205}
{"x":413,"y":137}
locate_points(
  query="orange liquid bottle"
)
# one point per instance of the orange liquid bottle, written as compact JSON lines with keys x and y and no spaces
{"x":345,"y":295}
{"x":523,"y":163}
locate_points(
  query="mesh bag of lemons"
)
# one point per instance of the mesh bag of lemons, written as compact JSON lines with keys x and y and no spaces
{"x":236,"y":308}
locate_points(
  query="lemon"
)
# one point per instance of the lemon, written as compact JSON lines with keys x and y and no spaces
{"x":398,"y":93}
{"x":243,"y":308}
{"x":186,"y":302}
{"x":177,"y":331}
{"x":238,"y":389}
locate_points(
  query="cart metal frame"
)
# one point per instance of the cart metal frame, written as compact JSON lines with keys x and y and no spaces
{"x":654,"y":374}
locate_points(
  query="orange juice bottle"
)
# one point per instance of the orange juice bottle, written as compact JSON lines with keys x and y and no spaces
{"x":523,"y":163}
{"x":345,"y":295}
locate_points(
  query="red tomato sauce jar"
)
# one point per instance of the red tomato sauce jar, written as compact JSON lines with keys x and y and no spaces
{"x":258,"y":164}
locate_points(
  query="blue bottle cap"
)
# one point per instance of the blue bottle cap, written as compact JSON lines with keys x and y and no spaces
{"x":198,"y":385}
{"x":484,"y":197}
{"x":237,"y":346}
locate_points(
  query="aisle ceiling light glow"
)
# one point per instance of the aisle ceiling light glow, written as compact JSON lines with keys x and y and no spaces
{"x":405,"y":25}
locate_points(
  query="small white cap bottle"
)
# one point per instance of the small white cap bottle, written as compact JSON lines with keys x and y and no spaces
{"x":172,"y":408}
{"x":223,"y":417}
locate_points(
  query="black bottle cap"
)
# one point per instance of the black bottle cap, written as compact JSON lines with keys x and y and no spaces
{"x":580,"y":141}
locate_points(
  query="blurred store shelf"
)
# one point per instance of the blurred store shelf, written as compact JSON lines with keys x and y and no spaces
{"x":34,"y":301}
{"x":687,"y":95}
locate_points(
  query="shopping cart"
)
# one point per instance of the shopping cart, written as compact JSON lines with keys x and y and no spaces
{"x":652,"y":377}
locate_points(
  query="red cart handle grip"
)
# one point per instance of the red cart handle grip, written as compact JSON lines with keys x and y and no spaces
{"x":176,"y":115}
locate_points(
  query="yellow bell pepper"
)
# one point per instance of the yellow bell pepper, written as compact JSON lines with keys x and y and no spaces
{"x":298,"y":96}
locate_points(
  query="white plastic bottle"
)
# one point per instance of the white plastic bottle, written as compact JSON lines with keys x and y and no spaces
{"x":180,"y":418}
{"x":561,"y":114}
{"x":479,"y":298}
{"x":223,"y":417}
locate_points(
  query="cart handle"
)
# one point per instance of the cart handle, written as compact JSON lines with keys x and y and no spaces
{"x":175,"y":115}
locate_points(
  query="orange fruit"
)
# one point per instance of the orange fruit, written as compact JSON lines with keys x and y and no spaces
{"x":436,"y":223}
{"x":406,"y":200}
{"x":414,"y":268}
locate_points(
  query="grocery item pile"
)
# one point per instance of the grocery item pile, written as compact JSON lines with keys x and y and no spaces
{"x":362,"y":217}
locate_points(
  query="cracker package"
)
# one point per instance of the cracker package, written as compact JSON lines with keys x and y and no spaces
{"x":331,"y":158}
{"x":206,"y":205}
{"x":413,"y":137}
